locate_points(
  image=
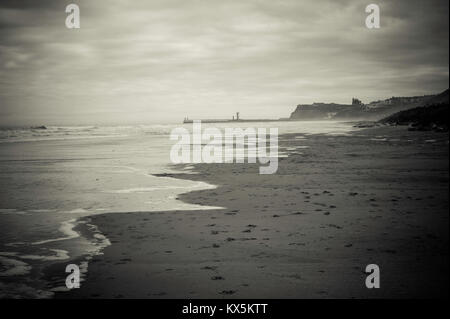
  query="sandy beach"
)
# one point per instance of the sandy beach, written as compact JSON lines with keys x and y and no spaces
{"x":337,"y":203}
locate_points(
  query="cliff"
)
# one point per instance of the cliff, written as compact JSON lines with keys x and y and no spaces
{"x":375,"y":110}
{"x":319,"y":111}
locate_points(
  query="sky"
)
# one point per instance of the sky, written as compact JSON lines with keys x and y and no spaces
{"x":157,"y":61}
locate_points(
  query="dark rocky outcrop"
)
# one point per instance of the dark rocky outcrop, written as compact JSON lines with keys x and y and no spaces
{"x":425,"y":118}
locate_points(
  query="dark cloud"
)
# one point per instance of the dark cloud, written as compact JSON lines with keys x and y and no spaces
{"x":160,"y":60}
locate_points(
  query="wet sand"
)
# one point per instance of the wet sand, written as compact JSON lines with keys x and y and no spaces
{"x":336,"y":204}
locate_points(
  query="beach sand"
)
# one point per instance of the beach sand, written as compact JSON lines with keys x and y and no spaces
{"x":336,"y":204}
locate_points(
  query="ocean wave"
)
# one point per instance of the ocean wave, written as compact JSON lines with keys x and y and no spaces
{"x":160,"y":188}
{"x":60,"y":133}
{"x":12,"y":266}
{"x":66,"y":228}
{"x":20,"y":264}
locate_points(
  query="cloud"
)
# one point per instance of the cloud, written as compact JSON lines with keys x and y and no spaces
{"x":150,"y":61}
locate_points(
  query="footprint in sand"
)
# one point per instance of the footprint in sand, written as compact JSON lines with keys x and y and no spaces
{"x":227,"y":292}
{"x":159,"y":294}
{"x":217,"y":278}
{"x":209,"y":268}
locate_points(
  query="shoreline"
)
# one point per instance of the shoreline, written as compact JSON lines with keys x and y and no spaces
{"x":292,"y":237}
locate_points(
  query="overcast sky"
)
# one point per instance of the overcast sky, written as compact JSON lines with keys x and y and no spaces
{"x":160,"y":60}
